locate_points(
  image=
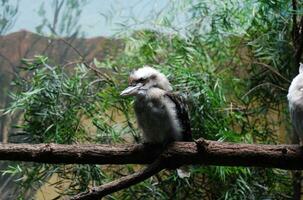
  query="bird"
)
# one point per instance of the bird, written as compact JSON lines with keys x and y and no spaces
{"x":295,"y":103}
{"x":161,"y":114}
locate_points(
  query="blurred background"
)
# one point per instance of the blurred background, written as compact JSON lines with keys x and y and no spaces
{"x":63,"y":64}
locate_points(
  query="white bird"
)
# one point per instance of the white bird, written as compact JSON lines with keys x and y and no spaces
{"x":295,"y":100}
{"x":161,"y":114}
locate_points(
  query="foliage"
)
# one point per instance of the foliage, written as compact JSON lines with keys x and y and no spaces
{"x":60,"y":105}
{"x":231,"y":59}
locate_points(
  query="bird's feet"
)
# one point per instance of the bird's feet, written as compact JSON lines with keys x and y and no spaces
{"x":201,"y":144}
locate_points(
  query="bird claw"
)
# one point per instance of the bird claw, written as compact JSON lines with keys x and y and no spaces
{"x":201,"y":144}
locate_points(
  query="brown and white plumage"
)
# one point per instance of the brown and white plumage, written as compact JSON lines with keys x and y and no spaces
{"x":161,"y":114}
{"x":295,"y":100}
{"x":182,"y":115}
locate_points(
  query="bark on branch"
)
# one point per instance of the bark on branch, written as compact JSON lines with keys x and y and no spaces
{"x":203,"y":152}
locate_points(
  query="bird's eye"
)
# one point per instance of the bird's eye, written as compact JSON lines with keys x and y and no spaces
{"x":135,"y":82}
{"x":141,"y":80}
{"x":153,"y":77}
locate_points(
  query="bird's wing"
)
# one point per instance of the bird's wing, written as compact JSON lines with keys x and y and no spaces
{"x":296,"y":118}
{"x":182,"y":114}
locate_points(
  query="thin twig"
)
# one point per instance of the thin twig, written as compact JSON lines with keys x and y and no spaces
{"x":261,"y":85}
{"x":294,"y":19}
{"x":273,"y":70}
{"x":83,"y":60}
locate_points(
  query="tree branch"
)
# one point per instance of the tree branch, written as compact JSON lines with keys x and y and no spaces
{"x":205,"y":152}
{"x":121,"y":183}
{"x":201,"y":151}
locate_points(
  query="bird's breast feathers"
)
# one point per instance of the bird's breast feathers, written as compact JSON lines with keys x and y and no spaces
{"x":157,"y":117}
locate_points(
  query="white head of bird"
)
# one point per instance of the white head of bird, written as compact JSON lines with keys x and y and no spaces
{"x":144,"y":79}
{"x":295,"y":91}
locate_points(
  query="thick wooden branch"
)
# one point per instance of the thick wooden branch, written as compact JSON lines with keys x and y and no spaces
{"x":178,"y":153}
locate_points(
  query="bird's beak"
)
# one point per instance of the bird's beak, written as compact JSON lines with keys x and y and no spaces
{"x":130,"y":90}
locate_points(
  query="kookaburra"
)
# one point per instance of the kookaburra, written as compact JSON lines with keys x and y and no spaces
{"x":161,"y":114}
{"x":295,"y":100}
